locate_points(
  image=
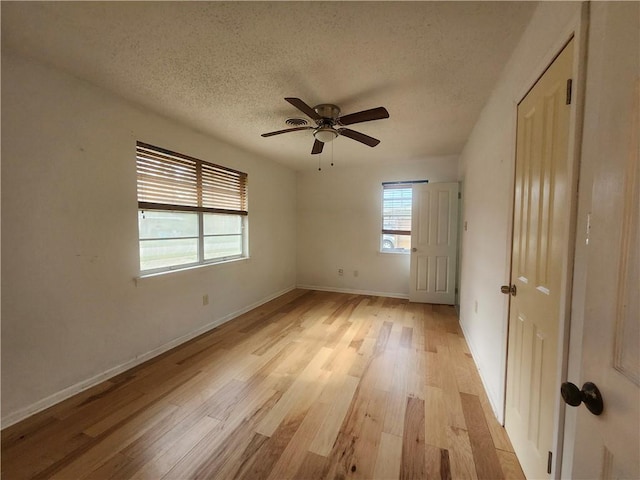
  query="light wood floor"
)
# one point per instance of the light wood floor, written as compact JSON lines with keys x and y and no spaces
{"x":311,"y":385}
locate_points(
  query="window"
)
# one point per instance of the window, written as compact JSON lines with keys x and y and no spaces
{"x":396,"y":216}
{"x":190,"y":212}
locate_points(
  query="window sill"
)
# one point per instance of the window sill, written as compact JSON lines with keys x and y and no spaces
{"x":392,"y":253}
{"x":145,"y":277}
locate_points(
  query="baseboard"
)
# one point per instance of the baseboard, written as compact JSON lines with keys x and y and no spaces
{"x":354,"y":291}
{"x":499,"y":416}
{"x":72,"y":390}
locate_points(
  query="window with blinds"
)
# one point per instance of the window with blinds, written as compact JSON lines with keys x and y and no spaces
{"x":190,"y":212}
{"x":396,"y":216}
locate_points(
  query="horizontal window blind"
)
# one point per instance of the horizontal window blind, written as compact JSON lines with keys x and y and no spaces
{"x":396,"y":207}
{"x":172,"y":181}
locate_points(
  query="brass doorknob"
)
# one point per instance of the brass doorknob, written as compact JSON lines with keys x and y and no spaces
{"x":414,"y":249}
{"x":508,"y":289}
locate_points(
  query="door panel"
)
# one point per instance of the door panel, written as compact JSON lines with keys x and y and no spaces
{"x":434,"y":232}
{"x":608,"y":446}
{"x":540,"y":239}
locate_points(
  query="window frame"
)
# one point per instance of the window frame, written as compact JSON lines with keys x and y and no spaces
{"x":169,"y":181}
{"x":407,"y":184}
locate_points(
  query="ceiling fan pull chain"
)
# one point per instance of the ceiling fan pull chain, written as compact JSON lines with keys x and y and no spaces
{"x":332,"y":154}
{"x":319,"y":162}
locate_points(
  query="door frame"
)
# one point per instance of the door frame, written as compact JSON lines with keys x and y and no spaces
{"x":576,"y":28}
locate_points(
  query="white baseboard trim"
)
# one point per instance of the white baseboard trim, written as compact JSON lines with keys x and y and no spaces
{"x":354,"y":291}
{"x":40,"y":405}
{"x":499,"y":416}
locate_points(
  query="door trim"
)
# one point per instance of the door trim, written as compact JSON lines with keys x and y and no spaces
{"x":576,"y":29}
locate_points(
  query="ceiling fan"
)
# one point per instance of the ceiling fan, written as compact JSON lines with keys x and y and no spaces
{"x":329,"y":123}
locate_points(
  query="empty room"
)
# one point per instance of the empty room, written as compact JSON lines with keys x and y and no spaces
{"x":320,"y":240}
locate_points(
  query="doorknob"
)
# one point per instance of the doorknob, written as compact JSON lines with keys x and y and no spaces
{"x":509,"y":289}
{"x":414,"y":249}
{"x":589,"y":395}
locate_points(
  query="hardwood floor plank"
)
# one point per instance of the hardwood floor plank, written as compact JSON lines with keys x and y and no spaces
{"x":202,"y":456}
{"x":313,"y":467}
{"x":111,"y":443}
{"x":510,"y":465}
{"x":406,"y":338}
{"x":413,"y":444}
{"x":498,"y":433}
{"x":225,"y":460}
{"x":343,"y":451}
{"x":327,"y":432}
{"x":397,"y":401}
{"x":265,"y":458}
{"x":161,"y":391}
{"x":433,"y":376}
{"x":436,"y":418}
{"x":484,"y":453}
{"x":312,"y":385}
{"x":304,"y":389}
{"x":460,"y":454}
{"x":364,"y":357}
{"x":416,"y":377}
{"x":386,"y":370}
{"x":462,"y":364}
{"x":418,"y":311}
{"x":437,"y":464}
{"x":291,"y":458}
{"x":362,"y":332}
{"x":362,"y":461}
{"x":388,"y":457}
{"x":450,"y":387}
{"x":32,"y":461}
{"x":344,"y":310}
{"x":157,"y":463}
{"x":108,"y":469}
{"x":341,"y":360}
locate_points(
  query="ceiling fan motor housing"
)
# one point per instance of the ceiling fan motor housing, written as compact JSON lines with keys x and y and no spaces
{"x":327,"y":111}
{"x":329,"y":114}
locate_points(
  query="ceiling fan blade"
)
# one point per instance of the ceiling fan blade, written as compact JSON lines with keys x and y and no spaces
{"x":364,"y":116}
{"x":317,"y":147}
{"x":286,"y":130}
{"x":304,"y":108}
{"x":359,"y":137}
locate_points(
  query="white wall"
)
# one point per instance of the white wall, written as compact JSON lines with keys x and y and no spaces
{"x":487,"y":169}
{"x":71,"y":311}
{"x":339,"y":219}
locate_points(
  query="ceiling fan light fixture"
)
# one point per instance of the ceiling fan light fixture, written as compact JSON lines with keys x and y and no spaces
{"x":325,"y":134}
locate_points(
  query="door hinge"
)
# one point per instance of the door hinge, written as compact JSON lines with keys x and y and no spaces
{"x":456,"y":290}
{"x":569,"y":85}
{"x":549,"y":463}
{"x":459,"y":195}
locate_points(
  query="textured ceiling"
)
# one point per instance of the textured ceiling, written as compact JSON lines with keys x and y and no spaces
{"x":224,"y":68}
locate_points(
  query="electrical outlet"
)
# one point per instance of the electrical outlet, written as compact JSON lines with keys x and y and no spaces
{"x":205,"y":299}
{"x":340,"y":272}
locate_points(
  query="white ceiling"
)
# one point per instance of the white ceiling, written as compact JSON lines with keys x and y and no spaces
{"x":224,"y":68}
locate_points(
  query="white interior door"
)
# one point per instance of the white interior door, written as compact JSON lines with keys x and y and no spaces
{"x":434,"y":237}
{"x":540,"y":244}
{"x":607,"y":353}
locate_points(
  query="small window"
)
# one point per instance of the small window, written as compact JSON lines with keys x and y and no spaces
{"x":396,"y":216}
{"x":190,"y":212}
